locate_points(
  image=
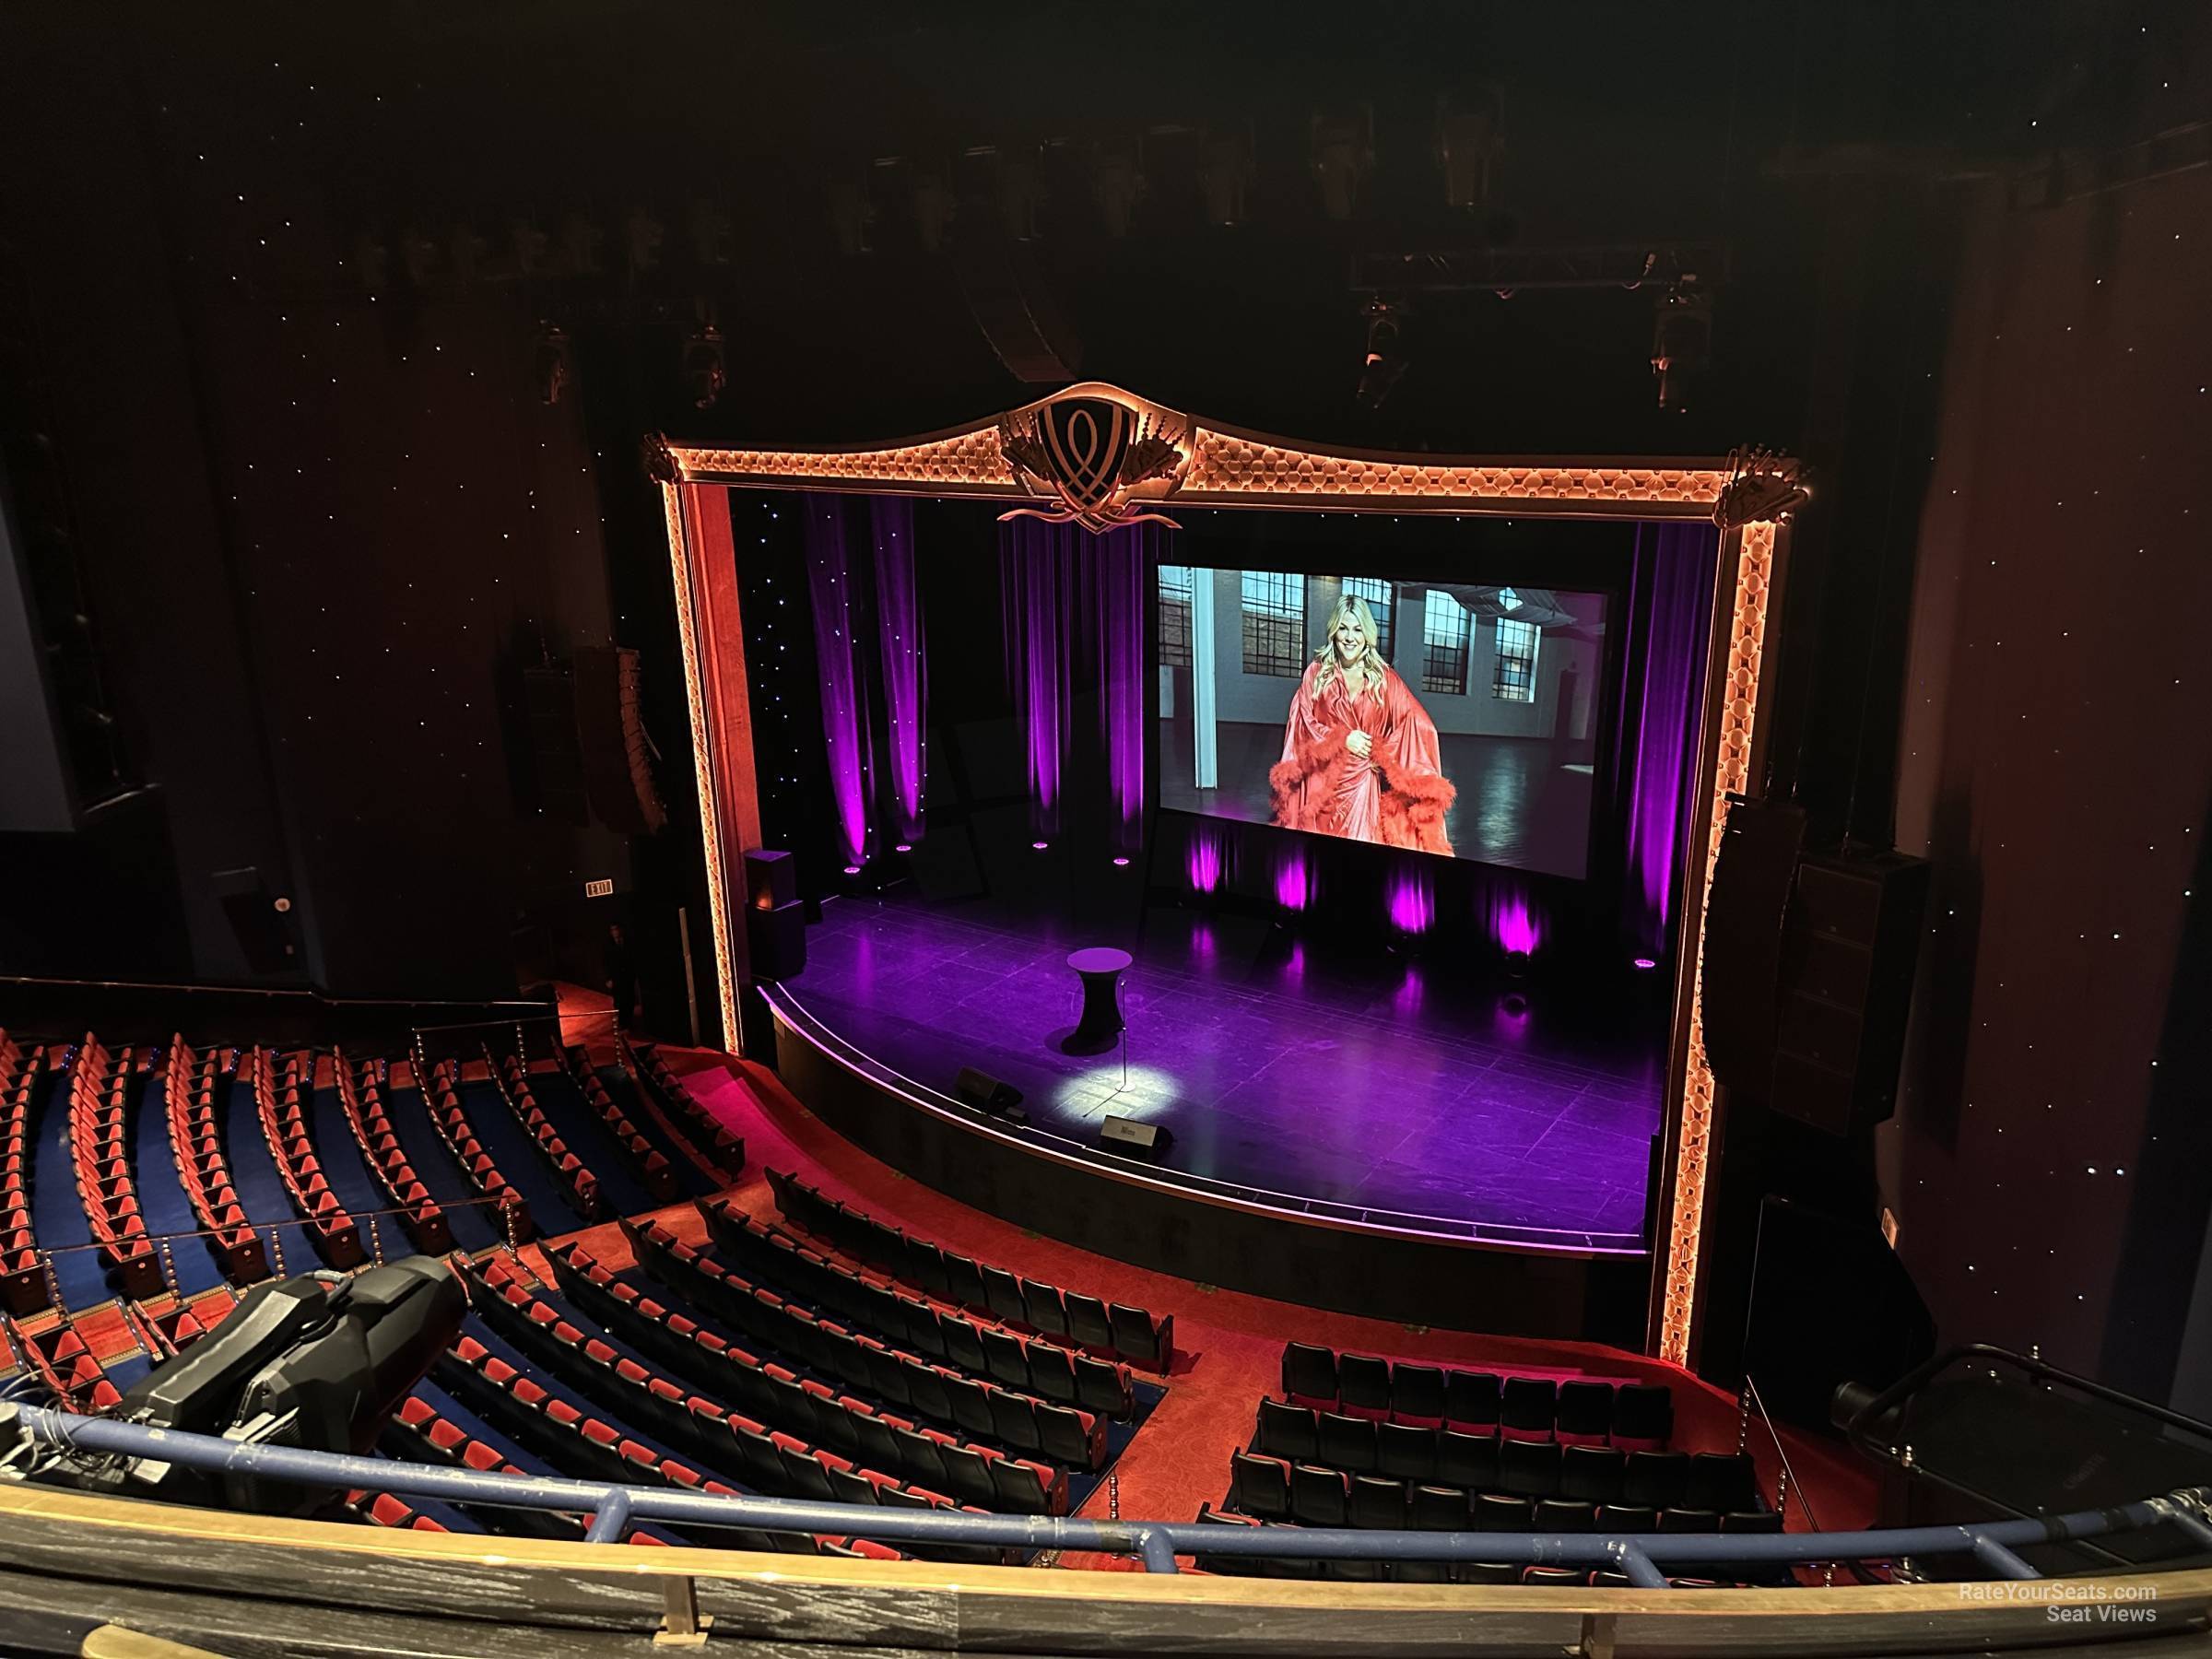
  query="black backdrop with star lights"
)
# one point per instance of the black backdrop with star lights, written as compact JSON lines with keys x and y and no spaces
{"x":271,"y":394}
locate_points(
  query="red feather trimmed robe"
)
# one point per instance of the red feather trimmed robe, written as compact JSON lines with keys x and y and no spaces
{"x":1397,"y":795}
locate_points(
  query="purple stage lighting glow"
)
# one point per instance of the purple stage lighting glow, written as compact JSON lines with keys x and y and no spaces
{"x":846,"y":736}
{"x":903,"y":847}
{"x":905,"y":676}
{"x":852,"y":870}
{"x":1291,"y":880}
{"x":1515,"y":928}
{"x":1120,"y":863}
{"x":1041,"y":846}
{"x":1644,"y":964}
{"x":1203,"y":864}
{"x":1670,"y":607}
{"x":1412,"y":900}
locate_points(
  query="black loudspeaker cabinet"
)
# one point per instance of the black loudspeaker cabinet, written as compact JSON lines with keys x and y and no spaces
{"x":1849,"y":949}
{"x":1744,"y":919}
{"x":775,"y":940}
{"x":771,"y":878}
{"x":981,"y":1089}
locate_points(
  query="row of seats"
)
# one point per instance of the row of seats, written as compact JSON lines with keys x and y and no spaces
{"x":441,"y":1093}
{"x":1110,"y":1330}
{"x":1586,"y":1410}
{"x":1558,"y":1499}
{"x":24,"y":1288}
{"x":100,"y":1145}
{"x":591,"y":1448}
{"x":417,"y":1433}
{"x":722,"y":1152}
{"x":189,"y":1083}
{"x":777,"y":1394}
{"x":1064,"y":1435}
{"x":277,"y":1102}
{"x":646,"y":1162}
{"x":978,"y":1347}
{"x":382,"y":1509}
{"x":1420,"y":1572}
{"x":361,"y":1094}
{"x":513,"y":1084}
{"x":894,"y":1453}
{"x":61,"y":1358}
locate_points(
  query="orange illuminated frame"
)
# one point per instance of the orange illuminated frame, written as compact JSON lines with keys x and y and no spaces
{"x":1217,"y":465}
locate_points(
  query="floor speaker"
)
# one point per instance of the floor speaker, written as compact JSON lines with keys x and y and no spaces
{"x":1850,"y":947}
{"x":1745,"y":914}
{"x":1119,"y":1134}
{"x":775,"y":940}
{"x":986,"y":1093}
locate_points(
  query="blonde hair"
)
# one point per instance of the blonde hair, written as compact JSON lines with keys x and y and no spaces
{"x":1371,"y":667}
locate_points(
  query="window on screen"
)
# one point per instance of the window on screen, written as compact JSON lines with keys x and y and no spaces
{"x":1175,"y":615}
{"x":1515,"y":677}
{"x":1444,"y":641}
{"x":1273,"y":607}
{"x":1381,"y":598}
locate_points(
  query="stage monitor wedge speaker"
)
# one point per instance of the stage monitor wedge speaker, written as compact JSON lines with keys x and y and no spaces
{"x":1850,"y":947}
{"x":987,"y":1093}
{"x":1745,"y":914}
{"x":1120,"y":1132}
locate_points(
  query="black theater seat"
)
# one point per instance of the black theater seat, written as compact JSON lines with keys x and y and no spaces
{"x":1259,"y":1486}
{"x":1416,"y":1395}
{"x":1309,"y":1375}
{"x":1363,"y":1385}
{"x":1656,"y":1479}
{"x":1471,"y":1400}
{"x":1439,"y":1508}
{"x":1347,"y":1443}
{"x":1405,"y":1452}
{"x":1288,"y":1432}
{"x":1627,"y":1518}
{"x":1586,"y":1411}
{"x":1319,"y":1497}
{"x":1643,"y":1416}
{"x":1591,"y":1474}
{"x":1529,"y":1409}
{"x":1528,"y":1468}
{"x":1721,"y":1480}
{"x":1378,"y":1502}
{"x":1496,"y":1512}
{"x":1466,"y":1460}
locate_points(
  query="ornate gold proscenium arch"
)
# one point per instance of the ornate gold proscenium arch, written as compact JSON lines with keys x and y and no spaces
{"x":1099,"y":456}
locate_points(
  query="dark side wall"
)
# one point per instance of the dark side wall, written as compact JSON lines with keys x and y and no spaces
{"x":2048,"y":1164}
{"x":324,"y":530}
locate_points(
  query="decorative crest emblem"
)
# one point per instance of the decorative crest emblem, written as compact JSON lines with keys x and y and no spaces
{"x":1761,"y":485}
{"x":1099,"y":453}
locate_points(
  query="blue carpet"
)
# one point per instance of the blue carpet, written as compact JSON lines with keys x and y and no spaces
{"x":473,"y":1227}
{"x":340,"y":1156}
{"x":162,"y":1199}
{"x":253,"y":1169}
{"x":513,"y":1149}
{"x":56,"y":1217}
{"x":619,"y":1188}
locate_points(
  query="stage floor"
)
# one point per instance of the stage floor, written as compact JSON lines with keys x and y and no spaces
{"x":1383,"y":1085}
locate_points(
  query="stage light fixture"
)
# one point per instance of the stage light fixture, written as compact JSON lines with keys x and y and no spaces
{"x":705,"y":372}
{"x":1041,"y":846}
{"x":1121,"y":864}
{"x":903,"y":847}
{"x":1644,"y":964}
{"x":852,"y":870}
{"x":1681,"y":335}
{"x":1384,"y":363}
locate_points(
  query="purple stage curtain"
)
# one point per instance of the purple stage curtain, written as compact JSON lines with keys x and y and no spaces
{"x":839,"y":657}
{"x":1074,"y":617}
{"x":905,"y":675}
{"x":1670,"y":617}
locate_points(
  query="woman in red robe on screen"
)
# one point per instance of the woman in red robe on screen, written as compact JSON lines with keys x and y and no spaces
{"x":1359,"y":753}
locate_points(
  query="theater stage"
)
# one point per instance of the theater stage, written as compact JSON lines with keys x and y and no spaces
{"x":1382,"y":1091}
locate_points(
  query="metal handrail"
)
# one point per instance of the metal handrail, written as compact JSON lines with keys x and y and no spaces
{"x":615,"y":1509}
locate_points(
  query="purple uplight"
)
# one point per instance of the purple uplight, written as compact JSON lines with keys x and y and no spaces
{"x":1514,"y":927}
{"x":1291,"y":880}
{"x":1120,"y":863}
{"x":1412,"y":900}
{"x":1041,"y":846}
{"x":903,"y":847}
{"x":1644,"y":964}
{"x":1407,"y":998}
{"x":1203,"y":862}
{"x":852,"y":870}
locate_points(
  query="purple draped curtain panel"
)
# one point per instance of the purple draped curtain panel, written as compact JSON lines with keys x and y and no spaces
{"x":905,"y":674}
{"x":1670,"y":617}
{"x":841,"y":663}
{"x":1074,"y":619}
